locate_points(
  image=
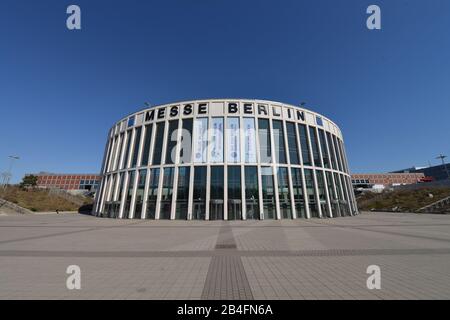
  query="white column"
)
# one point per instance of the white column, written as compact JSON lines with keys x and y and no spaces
{"x":191,"y":191}
{"x":145,"y":197}
{"x":274,"y":171}
{"x":327,"y":196}
{"x":302,"y":171}
{"x":133,"y":197}
{"x":124,"y":194}
{"x":288,"y":158}
{"x":208,"y":186}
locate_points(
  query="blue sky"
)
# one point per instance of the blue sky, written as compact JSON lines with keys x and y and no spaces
{"x":61,"y":90}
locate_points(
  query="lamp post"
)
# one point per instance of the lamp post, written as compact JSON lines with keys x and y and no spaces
{"x":442,"y":157}
{"x":7,"y":175}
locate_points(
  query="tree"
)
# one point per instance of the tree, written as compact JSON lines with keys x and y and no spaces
{"x":29,"y":181}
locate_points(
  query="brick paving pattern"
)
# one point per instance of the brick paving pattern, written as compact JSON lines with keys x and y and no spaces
{"x":287,"y":259}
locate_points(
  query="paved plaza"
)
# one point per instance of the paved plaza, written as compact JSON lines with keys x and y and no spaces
{"x":285,"y":259}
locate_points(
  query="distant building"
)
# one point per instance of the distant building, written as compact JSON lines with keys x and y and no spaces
{"x":440,"y":172}
{"x":68,"y":181}
{"x":368,"y":180}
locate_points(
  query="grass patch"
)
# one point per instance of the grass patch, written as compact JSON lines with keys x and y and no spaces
{"x":40,"y":200}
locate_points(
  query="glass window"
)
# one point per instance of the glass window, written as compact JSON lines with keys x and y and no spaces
{"x":137,"y":141}
{"x":249,"y":140}
{"x":343,"y":205}
{"x":199,"y":194}
{"x":234,"y":193}
{"x":140,"y":194}
{"x":152,"y":193}
{"x":147,"y":144}
{"x":157,"y":151}
{"x":118,"y":152}
{"x":233,"y":141}
{"x":312,"y":203}
{"x":278,"y":140}
{"x":347,"y":192}
{"x":283,"y":193}
{"x":181,"y":211}
{"x":315,"y":147}
{"x":292,"y":143}
{"x":109,"y":151}
{"x":304,"y":141}
{"x":216,"y":140}
{"x":119,"y":185}
{"x":339,"y":160}
{"x":333,"y":196}
{"x":268,"y":193}
{"x":131,"y":176}
{"x":186,"y":142}
{"x":344,"y":159}
{"x":299,"y":197}
{"x":265,"y":150}
{"x":127,"y":150}
{"x":166,"y":194}
{"x":323,"y":145}
{"x":333,"y":155}
{"x":322,"y":194}
{"x":216,"y":193}
{"x":171,"y":142}
{"x":251,"y":192}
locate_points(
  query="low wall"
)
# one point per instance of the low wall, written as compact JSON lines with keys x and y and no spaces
{"x":14,"y":207}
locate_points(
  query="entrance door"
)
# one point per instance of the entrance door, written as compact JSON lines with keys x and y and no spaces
{"x":252,"y":211}
{"x":216,"y":210}
{"x":234,"y":209}
{"x":198,"y":210}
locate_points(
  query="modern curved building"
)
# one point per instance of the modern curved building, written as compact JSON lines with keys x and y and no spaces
{"x":227,"y":159}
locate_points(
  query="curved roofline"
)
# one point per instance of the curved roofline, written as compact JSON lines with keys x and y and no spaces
{"x":224,"y":99}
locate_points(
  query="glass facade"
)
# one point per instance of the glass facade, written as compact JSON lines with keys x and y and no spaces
{"x":311,"y":194}
{"x":159,"y":139}
{"x":216,"y":193}
{"x":315,"y":147}
{"x":304,"y":141}
{"x":278,"y":141}
{"x":265,"y":149}
{"x":323,"y":146}
{"x":140,"y":194}
{"x":127,"y":149}
{"x":292,"y":143}
{"x":234,"y":193}
{"x":137,"y":141}
{"x":322,"y":194}
{"x":129,"y":193}
{"x":251,"y":192}
{"x":186,"y":141}
{"x":284,"y":194}
{"x":244,"y":161}
{"x":268,"y":193}
{"x":182,"y":205}
{"x":171,"y":142}
{"x":299,"y":196}
{"x":152,"y":194}
{"x":147,"y":144}
{"x":199,"y":193}
{"x":166,"y":194}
